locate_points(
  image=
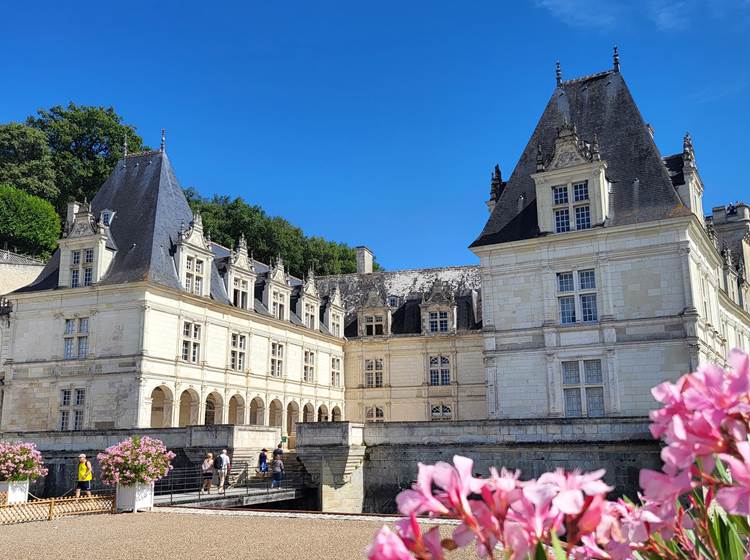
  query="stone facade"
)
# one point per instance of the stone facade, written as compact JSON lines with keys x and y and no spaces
{"x":17,"y":271}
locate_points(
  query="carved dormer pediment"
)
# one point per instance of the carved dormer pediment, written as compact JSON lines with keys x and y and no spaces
{"x":240,"y":257}
{"x":309,"y":288}
{"x":373,"y":299}
{"x":334,"y":298}
{"x":193,"y":234}
{"x":439,"y":294}
{"x":84,"y":224}
{"x":569,"y":150}
{"x":277,"y":273}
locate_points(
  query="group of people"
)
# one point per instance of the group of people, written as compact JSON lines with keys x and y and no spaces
{"x":215,"y":465}
{"x":276,"y":466}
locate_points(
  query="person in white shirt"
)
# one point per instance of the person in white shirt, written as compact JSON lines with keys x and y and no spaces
{"x":224,"y":469}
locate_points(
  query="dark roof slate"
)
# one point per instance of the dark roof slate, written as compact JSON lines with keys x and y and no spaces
{"x":600,"y":104}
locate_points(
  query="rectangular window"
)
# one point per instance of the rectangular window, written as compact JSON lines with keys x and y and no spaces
{"x":580,"y":191}
{"x":83,"y":325}
{"x":64,"y":420}
{"x":565,"y":282}
{"x":562,"y":220}
{"x":583,"y":217}
{"x":65,"y":397}
{"x":374,"y":373}
{"x":80,"y":397}
{"x":308,"y":369}
{"x":336,"y":324}
{"x":310,"y":315}
{"x":69,"y":353}
{"x":191,"y":347}
{"x":277,"y":359}
{"x":559,"y":195}
{"x":189,"y":283}
{"x":198,"y":266}
{"x":588,"y":308}
{"x":75,"y":259}
{"x":189,"y":263}
{"x":198,"y":286}
{"x":74,"y":278}
{"x":83,"y":347}
{"x":75,"y":341}
{"x":583,"y":390}
{"x":278,"y":307}
{"x":567,"y":310}
{"x":78,"y":420}
{"x":70,"y":326}
{"x":237,"y":352}
{"x":440,"y":370}
{"x":586,"y":279}
{"x":88,"y":255}
{"x":87,"y":276}
{"x":72,"y":404}
{"x":336,"y":372}
{"x":438,"y":321}
{"x":240,"y":296}
{"x":374,"y":325}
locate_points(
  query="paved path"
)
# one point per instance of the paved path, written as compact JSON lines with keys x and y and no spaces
{"x":163,"y":535}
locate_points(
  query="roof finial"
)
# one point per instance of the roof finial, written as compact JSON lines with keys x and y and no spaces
{"x":163,"y":139}
{"x":616,"y":60}
{"x":125,"y":147}
{"x":558,"y":73}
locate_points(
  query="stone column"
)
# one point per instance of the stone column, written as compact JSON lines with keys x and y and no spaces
{"x":553,"y":387}
{"x":613,"y":382}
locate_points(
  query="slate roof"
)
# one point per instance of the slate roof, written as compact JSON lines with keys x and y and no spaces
{"x":408,"y":286}
{"x":675,"y":167}
{"x":599,"y":104}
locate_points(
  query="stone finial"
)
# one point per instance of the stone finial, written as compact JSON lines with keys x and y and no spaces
{"x":539,"y":158}
{"x":163,"y":140}
{"x":558,"y":73}
{"x":616,"y":60}
{"x":688,"y":153}
{"x":496,"y":184}
{"x":242,"y":243}
{"x":595,"y":155}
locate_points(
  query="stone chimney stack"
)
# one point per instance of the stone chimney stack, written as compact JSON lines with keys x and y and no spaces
{"x":73,"y":208}
{"x":364,"y":260}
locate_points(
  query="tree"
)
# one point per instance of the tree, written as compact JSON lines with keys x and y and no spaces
{"x":26,"y":160}
{"x":28,"y":222}
{"x":86,"y":142}
{"x":269,"y":237}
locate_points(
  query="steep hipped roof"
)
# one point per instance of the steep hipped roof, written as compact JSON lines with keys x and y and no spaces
{"x":599,"y":105}
{"x":149,"y":210}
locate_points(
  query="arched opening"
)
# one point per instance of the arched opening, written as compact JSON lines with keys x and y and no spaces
{"x":188,"y":408}
{"x":322,"y":413}
{"x":275,"y":413}
{"x":292,"y":417}
{"x":308,"y":413}
{"x":237,"y":410}
{"x":336,"y":414}
{"x":257,"y":408}
{"x":213,"y":409}
{"x":161,"y":407}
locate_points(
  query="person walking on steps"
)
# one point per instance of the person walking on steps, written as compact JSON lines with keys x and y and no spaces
{"x":85,"y":475}
{"x":207,"y":472}
{"x":221,"y":464}
{"x":263,"y":461}
{"x":278,"y":452}
{"x":277,"y":468}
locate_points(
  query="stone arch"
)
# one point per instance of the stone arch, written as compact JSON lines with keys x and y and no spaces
{"x":322,"y":413}
{"x":162,"y":402}
{"x":257,"y":411}
{"x":275,"y":413}
{"x":292,"y":417}
{"x":308,"y":413}
{"x":189,"y":406}
{"x":336,"y":414}
{"x":214,"y":405}
{"x":237,"y":409}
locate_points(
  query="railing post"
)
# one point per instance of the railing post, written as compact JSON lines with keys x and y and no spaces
{"x":51,"y":509}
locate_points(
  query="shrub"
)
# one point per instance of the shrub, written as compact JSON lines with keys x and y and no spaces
{"x":27,"y":222}
{"x":135,"y":460}
{"x":695,"y":508}
{"x":20,"y":461}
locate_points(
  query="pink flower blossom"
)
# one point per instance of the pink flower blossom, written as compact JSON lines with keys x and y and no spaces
{"x":387,"y":546}
{"x":736,"y":499}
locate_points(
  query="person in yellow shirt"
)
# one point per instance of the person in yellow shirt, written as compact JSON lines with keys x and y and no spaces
{"x":85,"y":475}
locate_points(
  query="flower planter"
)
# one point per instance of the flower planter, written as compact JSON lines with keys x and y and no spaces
{"x":17,"y":490}
{"x":133,"y":497}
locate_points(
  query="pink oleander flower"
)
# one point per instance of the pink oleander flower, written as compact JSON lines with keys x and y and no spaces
{"x":571,"y":487}
{"x":736,"y":499}
{"x":663,"y":487}
{"x":387,"y":546}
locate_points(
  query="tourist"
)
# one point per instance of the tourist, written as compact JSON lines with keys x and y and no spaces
{"x":223,"y":467}
{"x":278,"y":452}
{"x":85,"y":474}
{"x":277,"y":468}
{"x":207,"y":471}
{"x":263,"y":461}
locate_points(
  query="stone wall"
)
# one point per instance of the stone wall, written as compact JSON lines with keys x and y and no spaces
{"x":622,"y":446}
{"x":61,"y":449}
{"x":14,"y":276}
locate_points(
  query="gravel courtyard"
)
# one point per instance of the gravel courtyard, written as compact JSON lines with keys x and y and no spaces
{"x":171,"y":536}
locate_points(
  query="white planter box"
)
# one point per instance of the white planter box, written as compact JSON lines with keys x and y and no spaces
{"x":134,"y":497}
{"x":18,"y":491}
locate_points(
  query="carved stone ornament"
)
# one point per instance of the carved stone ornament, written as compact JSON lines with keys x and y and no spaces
{"x":569,"y":150}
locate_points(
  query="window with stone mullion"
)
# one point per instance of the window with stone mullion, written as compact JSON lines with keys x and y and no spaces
{"x":583,"y":388}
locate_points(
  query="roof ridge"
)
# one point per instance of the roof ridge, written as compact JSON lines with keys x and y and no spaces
{"x":451,"y":267}
{"x":588,"y":77}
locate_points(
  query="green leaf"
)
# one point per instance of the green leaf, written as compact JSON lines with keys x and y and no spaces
{"x":539,"y":552}
{"x":557,"y":547}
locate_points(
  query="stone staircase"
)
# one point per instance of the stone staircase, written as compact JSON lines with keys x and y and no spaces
{"x":245,"y":464}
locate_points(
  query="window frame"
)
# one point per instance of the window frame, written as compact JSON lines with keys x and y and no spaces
{"x":583,"y":386}
{"x":71,"y":409}
{"x":374,"y":414}
{"x":566,"y":210}
{"x":190,"y":348}
{"x":237,"y":351}
{"x":374,"y":376}
{"x":76,"y":338}
{"x":577,"y":298}
{"x":308,"y":366}
{"x":277,"y":359}
{"x":335,"y":371}
{"x":439,"y":374}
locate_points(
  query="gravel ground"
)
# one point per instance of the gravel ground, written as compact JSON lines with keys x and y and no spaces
{"x":171,"y":536}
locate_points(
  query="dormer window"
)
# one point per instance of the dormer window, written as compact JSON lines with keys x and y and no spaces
{"x":81,"y":275}
{"x":106,"y":217}
{"x":194,"y":268}
{"x":278,"y":304}
{"x":393,"y":301}
{"x":438,"y":321}
{"x":240,"y":292}
{"x":76,"y":258}
{"x":336,"y":324}
{"x":578,"y":208}
{"x":374,"y":325}
{"x":310,"y":313}
{"x":88,"y":255}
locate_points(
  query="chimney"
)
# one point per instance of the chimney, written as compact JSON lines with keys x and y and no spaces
{"x":73,"y":208}
{"x":364,"y":260}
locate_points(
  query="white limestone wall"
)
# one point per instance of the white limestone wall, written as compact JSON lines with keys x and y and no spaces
{"x":406,"y":394}
{"x":14,"y":276}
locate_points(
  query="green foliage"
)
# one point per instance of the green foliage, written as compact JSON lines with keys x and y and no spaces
{"x":27,"y":222}
{"x":26,"y":160}
{"x":85,"y":143}
{"x":269,"y":236}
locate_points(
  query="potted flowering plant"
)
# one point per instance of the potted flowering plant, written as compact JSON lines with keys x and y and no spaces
{"x":696,"y":508}
{"x":20,"y":462}
{"x":133,"y":466}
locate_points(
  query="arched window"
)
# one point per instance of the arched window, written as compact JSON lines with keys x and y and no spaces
{"x":441,"y":412}
{"x":374,"y":414}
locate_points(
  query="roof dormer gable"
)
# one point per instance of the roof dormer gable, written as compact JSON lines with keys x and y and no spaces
{"x":193,"y":235}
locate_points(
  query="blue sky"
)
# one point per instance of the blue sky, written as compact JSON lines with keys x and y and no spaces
{"x":379,"y":123}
